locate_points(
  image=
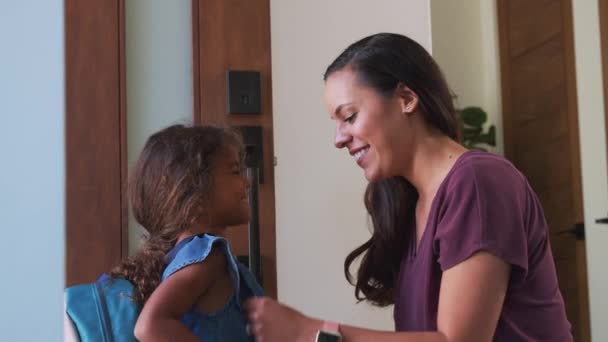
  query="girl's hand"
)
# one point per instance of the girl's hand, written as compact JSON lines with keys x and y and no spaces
{"x":270,"y":321}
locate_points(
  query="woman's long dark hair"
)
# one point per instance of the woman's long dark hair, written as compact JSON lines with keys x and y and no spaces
{"x":382,"y":62}
{"x":170,"y":184}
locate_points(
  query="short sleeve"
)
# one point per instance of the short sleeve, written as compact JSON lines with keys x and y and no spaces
{"x":195,"y":251}
{"x":483,"y":209}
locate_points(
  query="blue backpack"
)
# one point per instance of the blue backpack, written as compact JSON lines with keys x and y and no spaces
{"x":103,"y":310}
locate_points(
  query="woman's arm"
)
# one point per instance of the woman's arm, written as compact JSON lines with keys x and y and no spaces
{"x":160,"y":318}
{"x":471,"y":298}
{"x":470,"y":301}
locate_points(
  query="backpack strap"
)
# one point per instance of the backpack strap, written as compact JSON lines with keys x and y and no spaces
{"x":250,"y":282}
{"x":102,"y":309}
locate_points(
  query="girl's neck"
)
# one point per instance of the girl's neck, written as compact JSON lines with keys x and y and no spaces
{"x":198,"y":229}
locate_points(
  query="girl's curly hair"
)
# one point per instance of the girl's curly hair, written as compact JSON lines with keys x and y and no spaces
{"x":169,"y":185}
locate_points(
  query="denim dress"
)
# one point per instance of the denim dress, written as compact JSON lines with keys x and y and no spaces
{"x":227,"y":324}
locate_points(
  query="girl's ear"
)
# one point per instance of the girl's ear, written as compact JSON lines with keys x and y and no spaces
{"x":408,"y":99}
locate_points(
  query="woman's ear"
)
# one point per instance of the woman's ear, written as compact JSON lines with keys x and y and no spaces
{"x":407,"y":99}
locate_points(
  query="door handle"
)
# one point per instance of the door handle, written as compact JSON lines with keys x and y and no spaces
{"x":578,"y":231}
{"x":253,"y":260}
{"x":603,"y":220}
{"x":255,"y":256}
{"x":254,"y":162}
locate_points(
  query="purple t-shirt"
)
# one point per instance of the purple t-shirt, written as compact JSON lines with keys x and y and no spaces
{"x":486,"y":204}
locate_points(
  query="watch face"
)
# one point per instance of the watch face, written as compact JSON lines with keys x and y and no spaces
{"x":327,"y":337}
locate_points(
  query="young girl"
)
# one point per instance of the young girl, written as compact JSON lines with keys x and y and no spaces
{"x":185,"y":189}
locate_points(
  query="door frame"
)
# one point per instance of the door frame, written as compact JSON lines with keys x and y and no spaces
{"x":96,"y":178}
{"x":502,"y":8}
{"x":590,"y":37}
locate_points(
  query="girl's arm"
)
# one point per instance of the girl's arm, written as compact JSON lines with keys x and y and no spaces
{"x":470,"y":301}
{"x":160,"y":318}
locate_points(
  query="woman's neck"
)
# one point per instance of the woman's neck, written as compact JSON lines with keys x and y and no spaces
{"x":431,"y":161}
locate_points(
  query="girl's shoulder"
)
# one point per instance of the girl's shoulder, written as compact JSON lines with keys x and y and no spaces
{"x":192,"y":250}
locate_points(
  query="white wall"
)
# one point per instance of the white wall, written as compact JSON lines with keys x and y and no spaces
{"x":593,"y":158}
{"x":32,"y":184}
{"x":319,"y":190}
{"x":159,"y":74}
{"x":465,"y":45}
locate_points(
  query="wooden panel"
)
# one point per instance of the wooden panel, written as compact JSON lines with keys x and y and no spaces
{"x":538,"y":86}
{"x":541,"y":129}
{"x":574,"y":151}
{"x":95,"y":138}
{"x":538,"y":73}
{"x":124,"y":169}
{"x":583,"y":292}
{"x":235,"y":35}
{"x":526,"y":31}
{"x":584,"y":328}
{"x":535,"y":164}
{"x":558,"y":202}
{"x":196,"y":61}
{"x":504,"y":46}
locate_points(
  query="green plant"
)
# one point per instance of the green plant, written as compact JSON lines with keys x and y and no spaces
{"x":473,"y":135}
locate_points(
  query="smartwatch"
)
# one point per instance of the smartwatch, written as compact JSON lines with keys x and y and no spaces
{"x":330,"y":332}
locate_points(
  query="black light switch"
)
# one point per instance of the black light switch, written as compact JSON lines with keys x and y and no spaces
{"x":243,"y":88}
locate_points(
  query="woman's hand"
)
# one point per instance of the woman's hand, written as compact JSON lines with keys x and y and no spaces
{"x":270,"y":321}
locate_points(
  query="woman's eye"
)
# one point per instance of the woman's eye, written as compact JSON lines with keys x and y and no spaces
{"x":351,"y":117}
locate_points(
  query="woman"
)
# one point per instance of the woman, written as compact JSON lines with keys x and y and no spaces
{"x":459,"y":245}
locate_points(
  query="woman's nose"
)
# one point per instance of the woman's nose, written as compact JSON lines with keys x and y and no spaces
{"x":342,"y":137}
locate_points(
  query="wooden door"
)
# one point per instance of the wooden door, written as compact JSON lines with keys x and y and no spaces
{"x":541,"y":130}
{"x":96,"y":215}
{"x":235,"y":35}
